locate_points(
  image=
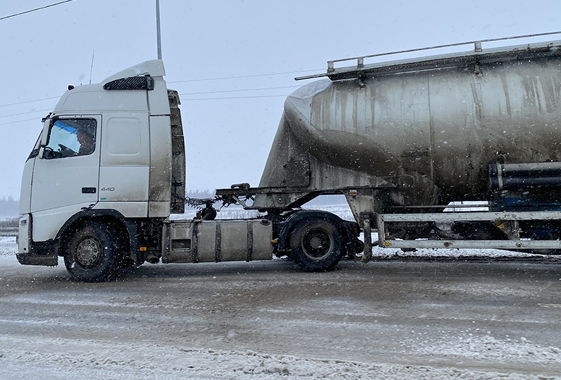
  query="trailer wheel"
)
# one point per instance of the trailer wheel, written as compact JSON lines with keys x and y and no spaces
{"x":92,"y":253}
{"x":316,"y":244}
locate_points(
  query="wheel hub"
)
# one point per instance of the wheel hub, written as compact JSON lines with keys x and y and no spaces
{"x":88,"y":252}
{"x":317,"y":244}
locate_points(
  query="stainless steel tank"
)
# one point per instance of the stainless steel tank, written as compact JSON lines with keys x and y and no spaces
{"x":428,"y":129}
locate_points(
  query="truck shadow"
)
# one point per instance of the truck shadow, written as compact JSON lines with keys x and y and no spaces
{"x":464,"y":268}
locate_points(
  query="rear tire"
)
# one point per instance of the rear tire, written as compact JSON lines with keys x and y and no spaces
{"x":92,"y":253}
{"x":316,"y":244}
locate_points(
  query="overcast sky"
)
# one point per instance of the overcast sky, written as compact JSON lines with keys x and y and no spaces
{"x":232,"y":61}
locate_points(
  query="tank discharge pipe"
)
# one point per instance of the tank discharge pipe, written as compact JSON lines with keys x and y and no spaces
{"x":523,"y":176}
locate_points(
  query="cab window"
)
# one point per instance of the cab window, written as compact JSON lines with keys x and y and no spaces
{"x":70,"y":138}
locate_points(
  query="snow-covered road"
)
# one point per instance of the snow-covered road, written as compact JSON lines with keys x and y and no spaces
{"x":269,"y":320}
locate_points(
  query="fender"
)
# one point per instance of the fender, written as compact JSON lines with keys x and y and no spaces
{"x":89,"y":214}
{"x":287,"y":226}
{"x":46,"y":253}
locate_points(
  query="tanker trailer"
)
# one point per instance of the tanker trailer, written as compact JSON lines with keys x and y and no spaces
{"x":403,"y":139}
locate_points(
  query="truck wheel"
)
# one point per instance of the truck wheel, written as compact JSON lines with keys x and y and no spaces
{"x":316,"y":244}
{"x":92,"y":253}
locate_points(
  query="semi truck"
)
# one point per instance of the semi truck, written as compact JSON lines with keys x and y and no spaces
{"x":410,"y":143}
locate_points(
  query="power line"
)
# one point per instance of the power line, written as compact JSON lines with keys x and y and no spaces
{"x":222,"y":98}
{"x":185,"y":99}
{"x":184,"y":94}
{"x":245,"y":76}
{"x":237,"y":97}
{"x":36,"y":9}
{"x":242,"y":90}
{"x":19,"y":121}
{"x":25,"y":113}
{"x":190,"y":93}
{"x":29,"y":101}
{"x":199,"y":80}
{"x":191,"y":99}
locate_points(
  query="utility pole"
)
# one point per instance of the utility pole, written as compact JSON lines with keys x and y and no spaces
{"x":159,"y":37}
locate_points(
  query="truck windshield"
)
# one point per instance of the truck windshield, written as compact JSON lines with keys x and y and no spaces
{"x":70,"y":137}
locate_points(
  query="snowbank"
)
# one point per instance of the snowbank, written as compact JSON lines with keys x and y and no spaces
{"x":111,"y":360}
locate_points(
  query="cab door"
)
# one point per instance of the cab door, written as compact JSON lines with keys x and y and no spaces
{"x":66,"y":172}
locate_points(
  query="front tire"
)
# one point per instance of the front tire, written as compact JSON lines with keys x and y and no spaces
{"x":316,"y":244}
{"x":92,"y":253}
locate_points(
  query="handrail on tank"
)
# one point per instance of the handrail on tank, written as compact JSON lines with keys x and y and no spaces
{"x":477,"y":48}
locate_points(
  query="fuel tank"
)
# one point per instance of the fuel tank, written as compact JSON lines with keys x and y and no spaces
{"x":427,"y":129}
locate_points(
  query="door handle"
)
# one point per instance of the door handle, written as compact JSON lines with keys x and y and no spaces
{"x":88,"y":190}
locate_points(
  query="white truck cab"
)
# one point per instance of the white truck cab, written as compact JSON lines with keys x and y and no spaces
{"x":104,"y":152}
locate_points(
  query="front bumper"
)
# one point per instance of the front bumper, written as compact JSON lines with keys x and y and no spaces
{"x":30,"y":253}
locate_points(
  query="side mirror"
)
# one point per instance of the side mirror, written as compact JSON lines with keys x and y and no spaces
{"x":34,"y":153}
{"x":45,"y":153}
{"x":49,"y":153}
